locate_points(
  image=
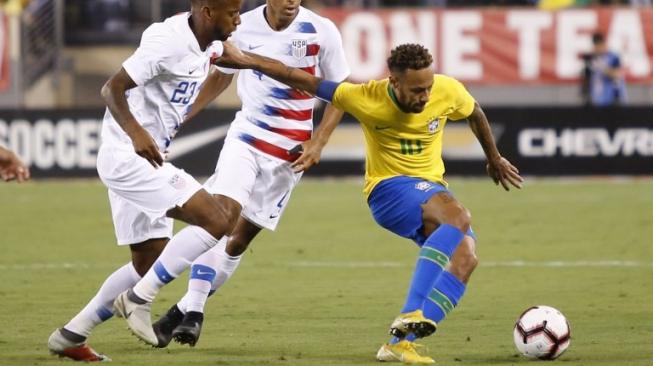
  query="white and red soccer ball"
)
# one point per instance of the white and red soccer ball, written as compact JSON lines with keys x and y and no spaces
{"x":542,"y":332}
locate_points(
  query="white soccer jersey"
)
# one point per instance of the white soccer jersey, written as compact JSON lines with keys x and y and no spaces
{"x":275,"y":117}
{"x":169,"y":68}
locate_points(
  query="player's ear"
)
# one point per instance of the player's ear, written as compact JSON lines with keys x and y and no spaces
{"x":393,"y":80}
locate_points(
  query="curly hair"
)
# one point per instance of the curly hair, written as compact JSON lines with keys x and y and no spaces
{"x":409,"y":56}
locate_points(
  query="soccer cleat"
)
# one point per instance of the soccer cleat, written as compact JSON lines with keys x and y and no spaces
{"x":62,"y":347}
{"x":403,"y":351}
{"x":137,"y":316}
{"x":413,"y":322}
{"x":188,"y":332}
{"x":166,"y":324}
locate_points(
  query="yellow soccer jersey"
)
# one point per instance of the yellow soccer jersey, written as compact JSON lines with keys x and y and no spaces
{"x":401,"y":143}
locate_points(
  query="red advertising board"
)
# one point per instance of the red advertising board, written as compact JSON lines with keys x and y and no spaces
{"x":498,"y":46}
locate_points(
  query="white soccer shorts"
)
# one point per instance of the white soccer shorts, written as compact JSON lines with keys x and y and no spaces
{"x":261,"y":184}
{"x":140,"y":195}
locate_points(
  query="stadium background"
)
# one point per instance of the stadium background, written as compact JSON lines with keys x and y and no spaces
{"x":581,"y":244}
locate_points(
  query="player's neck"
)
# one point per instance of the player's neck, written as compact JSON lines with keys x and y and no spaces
{"x":203,"y":40}
{"x":276,"y":23}
{"x":393,"y":96}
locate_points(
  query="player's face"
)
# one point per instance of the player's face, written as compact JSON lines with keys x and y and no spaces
{"x":600,"y":47}
{"x":223,"y":18}
{"x":283,"y":10}
{"x":413,"y":88}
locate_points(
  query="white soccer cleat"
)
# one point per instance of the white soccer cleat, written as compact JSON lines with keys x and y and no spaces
{"x":137,"y":316}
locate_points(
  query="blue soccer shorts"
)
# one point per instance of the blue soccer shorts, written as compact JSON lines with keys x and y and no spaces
{"x":396,"y":205}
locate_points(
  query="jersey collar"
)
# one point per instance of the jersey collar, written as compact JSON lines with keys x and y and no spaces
{"x":393,"y":97}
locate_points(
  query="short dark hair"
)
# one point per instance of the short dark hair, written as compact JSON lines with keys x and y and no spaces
{"x":598,"y":38}
{"x":409,"y":56}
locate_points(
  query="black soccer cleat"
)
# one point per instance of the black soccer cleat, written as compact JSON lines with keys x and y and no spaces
{"x":166,"y":324}
{"x":188,"y":332}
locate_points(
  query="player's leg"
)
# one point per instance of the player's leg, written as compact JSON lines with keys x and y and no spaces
{"x":158,"y":192}
{"x":267,"y":196}
{"x":453,"y":222}
{"x":131,"y":226}
{"x":451,"y":285}
{"x":235,"y":175}
{"x":221,"y":264}
{"x":210,"y":218}
{"x":396,"y":205}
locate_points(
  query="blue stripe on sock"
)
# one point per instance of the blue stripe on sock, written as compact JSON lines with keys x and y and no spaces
{"x":162,"y":273}
{"x":444,"y":240}
{"x":451,"y":287}
{"x":103,"y":313}
{"x":202,"y":272}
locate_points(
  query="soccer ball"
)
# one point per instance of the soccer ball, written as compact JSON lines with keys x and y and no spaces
{"x":542,"y":332}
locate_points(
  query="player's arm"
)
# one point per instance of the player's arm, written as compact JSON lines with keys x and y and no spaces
{"x":11,"y":167}
{"x":235,"y":58}
{"x":214,"y":85}
{"x":498,"y":167}
{"x":113,"y":93}
{"x":311,"y":150}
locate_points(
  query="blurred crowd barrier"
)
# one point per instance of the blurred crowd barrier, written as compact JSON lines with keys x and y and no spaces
{"x":543,"y":141}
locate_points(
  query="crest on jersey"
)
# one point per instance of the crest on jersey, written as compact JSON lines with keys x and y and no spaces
{"x":299,"y":48}
{"x":434,"y":124}
{"x":177,"y":182}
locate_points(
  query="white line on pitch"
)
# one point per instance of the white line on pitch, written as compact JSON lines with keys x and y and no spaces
{"x":518,"y":263}
{"x":355,"y":265}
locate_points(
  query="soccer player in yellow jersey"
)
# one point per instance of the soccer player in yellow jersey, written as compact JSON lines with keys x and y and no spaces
{"x":403,"y":118}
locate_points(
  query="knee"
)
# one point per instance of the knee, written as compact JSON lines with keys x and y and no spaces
{"x":469,"y":263}
{"x":461,"y":219}
{"x":222,"y":218}
{"x":464,"y":260}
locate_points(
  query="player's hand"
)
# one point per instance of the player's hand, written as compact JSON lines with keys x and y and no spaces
{"x":232,"y":57}
{"x":502,"y":171}
{"x":310,"y":154}
{"x":145,"y":147}
{"x":11,"y":168}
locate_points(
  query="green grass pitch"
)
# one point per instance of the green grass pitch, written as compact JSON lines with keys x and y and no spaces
{"x":323,"y":289}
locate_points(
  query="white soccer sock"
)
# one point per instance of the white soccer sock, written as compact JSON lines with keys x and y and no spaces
{"x":224,"y":266}
{"x":182,"y":249}
{"x":100,"y":308}
{"x":202,"y":275}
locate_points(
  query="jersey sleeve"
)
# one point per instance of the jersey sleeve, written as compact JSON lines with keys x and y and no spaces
{"x":235,"y":40}
{"x":615,"y":62}
{"x":347,"y":97}
{"x":149,"y":58}
{"x":333,"y":62}
{"x":463,"y":102}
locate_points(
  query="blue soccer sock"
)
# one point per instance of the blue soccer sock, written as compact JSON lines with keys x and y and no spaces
{"x":433,"y":258}
{"x":444,"y":297}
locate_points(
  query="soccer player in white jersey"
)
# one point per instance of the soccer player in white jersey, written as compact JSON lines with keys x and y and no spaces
{"x":147,"y":100}
{"x":254,"y":167}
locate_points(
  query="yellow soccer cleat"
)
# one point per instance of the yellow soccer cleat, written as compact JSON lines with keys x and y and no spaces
{"x":404,"y":351}
{"x":413,"y":322}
